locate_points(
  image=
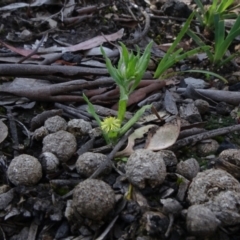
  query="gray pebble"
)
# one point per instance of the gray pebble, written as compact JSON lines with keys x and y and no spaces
{"x":24,"y":170}
{"x":201,"y":221}
{"x":63,"y":144}
{"x":79,"y":127}
{"x":54,"y":124}
{"x":88,"y":163}
{"x":145,"y":167}
{"x":189,"y":168}
{"x":93,"y":199}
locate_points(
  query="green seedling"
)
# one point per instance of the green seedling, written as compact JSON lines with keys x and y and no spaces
{"x":127,"y":75}
{"x":171,"y":57}
{"x":222,"y":42}
{"x":221,"y":7}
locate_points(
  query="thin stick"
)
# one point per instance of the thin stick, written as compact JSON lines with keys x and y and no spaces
{"x":34,"y":51}
{"x":202,"y":136}
{"x":111,"y":155}
{"x":144,"y":32}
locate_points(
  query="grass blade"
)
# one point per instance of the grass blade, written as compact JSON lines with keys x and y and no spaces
{"x":209,"y":73}
{"x":200,"y":5}
{"x":184,"y":29}
{"x":134,"y":119}
{"x":199,"y":42}
{"x":228,"y":59}
{"x":224,"y":5}
{"x":91,"y":110}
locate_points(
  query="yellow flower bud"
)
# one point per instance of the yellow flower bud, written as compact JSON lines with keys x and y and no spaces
{"x":110,"y":124}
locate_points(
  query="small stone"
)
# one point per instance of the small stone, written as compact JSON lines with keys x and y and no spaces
{"x":225,"y":206}
{"x":189,"y":168}
{"x":79,"y":127}
{"x":49,"y":161}
{"x":169,"y":158}
{"x":6,"y":198}
{"x":93,"y":199}
{"x":207,"y":147}
{"x":223,"y":108}
{"x":195,"y":82}
{"x":229,"y":160}
{"x":88,"y":163}
{"x":183,"y":185}
{"x":201,"y":221}
{"x":202,"y":106}
{"x":209,"y":184}
{"x":231,"y":155}
{"x":54,"y":124}
{"x":154,"y":223}
{"x":63,"y":144}
{"x":69,"y":211}
{"x":40,"y":133}
{"x":190,"y":112}
{"x":4,"y":188}
{"x":171,"y":206}
{"x":176,"y":8}
{"x":25,"y":34}
{"x":24,"y":170}
{"x":145,"y":167}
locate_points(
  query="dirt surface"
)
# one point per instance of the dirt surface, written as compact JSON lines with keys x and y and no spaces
{"x":59,"y":178}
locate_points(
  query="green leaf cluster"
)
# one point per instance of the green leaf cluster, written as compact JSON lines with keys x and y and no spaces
{"x":127,"y":75}
{"x":173,"y":56}
{"x":221,"y":7}
{"x":222,"y":42}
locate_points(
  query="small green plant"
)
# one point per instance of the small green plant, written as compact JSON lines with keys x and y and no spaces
{"x":221,"y":7}
{"x":171,"y":57}
{"x":127,"y":75}
{"x":218,"y":55}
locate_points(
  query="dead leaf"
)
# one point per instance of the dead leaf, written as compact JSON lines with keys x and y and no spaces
{"x":96,"y":41}
{"x":164,"y":136}
{"x":170,"y":103}
{"x":138,"y":133}
{"x":23,"y":52}
{"x":3,"y":131}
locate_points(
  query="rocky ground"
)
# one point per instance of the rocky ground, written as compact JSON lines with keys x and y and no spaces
{"x":174,"y":175}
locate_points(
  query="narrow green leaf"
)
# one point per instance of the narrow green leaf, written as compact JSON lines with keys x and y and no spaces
{"x":91,"y":110}
{"x":200,"y":5}
{"x":221,"y":48}
{"x":228,"y":59}
{"x":122,"y":106}
{"x":178,"y":57}
{"x":192,"y":52}
{"x":235,"y":27}
{"x":181,"y":34}
{"x":199,"y":18}
{"x":209,"y":73}
{"x":199,"y":42}
{"x":184,"y":29}
{"x":124,"y":52}
{"x":134,"y":119}
{"x":223,"y":5}
{"x":219,"y":31}
{"x":112,"y":70}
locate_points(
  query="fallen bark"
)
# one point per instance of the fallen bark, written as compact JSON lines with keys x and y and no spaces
{"x":216,"y":95}
{"x":20,"y":70}
{"x":51,"y":92}
{"x":189,"y":141}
